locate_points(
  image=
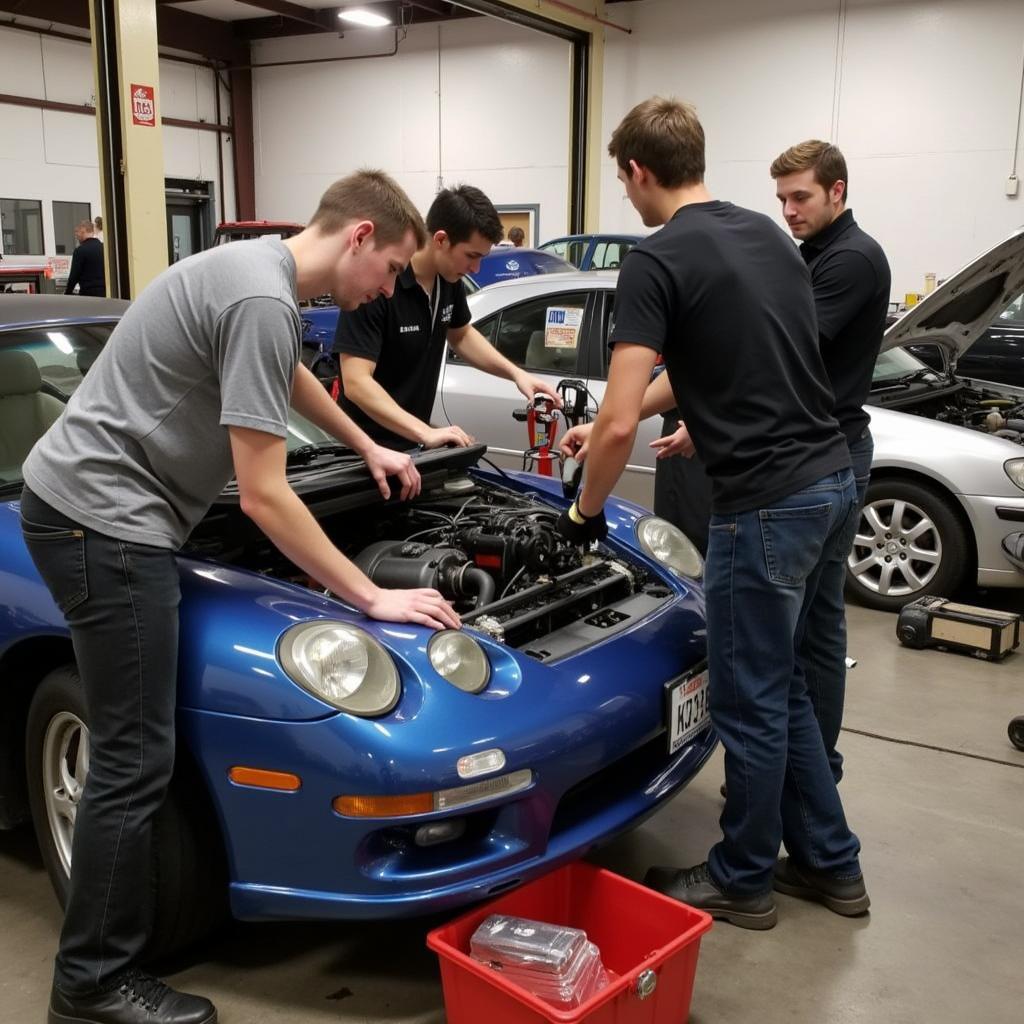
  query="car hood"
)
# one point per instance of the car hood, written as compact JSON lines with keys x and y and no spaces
{"x":338,"y":483}
{"x":955,"y":315}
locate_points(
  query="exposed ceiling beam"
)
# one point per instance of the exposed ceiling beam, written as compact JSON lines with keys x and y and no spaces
{"x":319,"y":21}
{"x":181,"y":30}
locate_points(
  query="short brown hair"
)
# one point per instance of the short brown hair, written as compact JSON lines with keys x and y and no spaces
{"x":665,"y":136}
{"x":374,"y":196}
{"x":826,"y":160}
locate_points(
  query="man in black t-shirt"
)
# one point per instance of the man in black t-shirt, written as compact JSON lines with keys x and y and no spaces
{"x":851,"y":282}
{"x":391,"y":349}
{"x":88,"y":271}
{"x":725,"y":298}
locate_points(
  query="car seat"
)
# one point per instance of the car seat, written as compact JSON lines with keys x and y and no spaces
{"x":551,"y":360}
{"x":25,"y":411}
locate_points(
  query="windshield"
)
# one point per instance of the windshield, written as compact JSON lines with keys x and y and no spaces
{"x":895,"y":363}
{"x":63,"y":353}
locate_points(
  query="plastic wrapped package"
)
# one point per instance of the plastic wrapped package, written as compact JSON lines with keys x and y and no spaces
{"x":555,"y":963}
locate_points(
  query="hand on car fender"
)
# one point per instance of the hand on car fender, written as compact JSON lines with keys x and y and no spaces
{"x":575,"y":442}
{"x":679,"y":443}
{"x":422,"y":605}
{"x":580,"y":529}
{"x":383,"y":462}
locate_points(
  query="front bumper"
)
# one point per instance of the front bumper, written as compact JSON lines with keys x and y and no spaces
{"x":993,"y":519}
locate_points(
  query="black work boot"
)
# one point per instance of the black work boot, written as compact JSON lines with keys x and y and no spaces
{"x":137,"y":998}
{"x":846,"y":896}
{"x":694,"y":886}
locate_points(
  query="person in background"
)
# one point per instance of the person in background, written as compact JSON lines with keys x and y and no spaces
{"x":88,"y":272}
{"x":98,"y":225}
{"x":517,"y":236}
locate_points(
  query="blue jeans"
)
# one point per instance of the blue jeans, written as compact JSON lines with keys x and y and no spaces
{"x":822,"y":647}
{"x":762,"y":574}
{"x":121,"y":603}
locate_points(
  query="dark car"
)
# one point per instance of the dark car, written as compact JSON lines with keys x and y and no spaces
{"x":238,"y":230}
{"x":997,"y":356}
{"x":506,"y":263}
{"x":592,"y":252}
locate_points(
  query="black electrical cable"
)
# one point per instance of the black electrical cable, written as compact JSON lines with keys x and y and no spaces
{"x":931,"y":746}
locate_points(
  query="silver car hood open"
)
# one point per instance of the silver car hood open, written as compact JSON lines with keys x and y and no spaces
{"x":955,"y":315}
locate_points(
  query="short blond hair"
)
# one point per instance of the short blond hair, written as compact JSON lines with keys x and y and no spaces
{"x":826,"y":160}
{"x":666,"y":137}
{"x":374,"y":196}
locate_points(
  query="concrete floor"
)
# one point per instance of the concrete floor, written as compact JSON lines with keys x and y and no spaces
{"x":933,"y":788}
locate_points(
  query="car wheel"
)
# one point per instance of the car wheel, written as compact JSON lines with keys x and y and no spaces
{"x":909,"y":543}
{"x":190,"y":888}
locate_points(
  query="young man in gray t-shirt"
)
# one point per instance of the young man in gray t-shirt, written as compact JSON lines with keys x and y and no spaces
{"x":194,"y":386}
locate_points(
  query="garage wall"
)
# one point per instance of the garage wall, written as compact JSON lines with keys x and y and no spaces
{"x":921,"y":95}
{"x":51,"y":155}
{"x":475,"y":101}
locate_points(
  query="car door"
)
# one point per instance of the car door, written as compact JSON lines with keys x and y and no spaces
{"x":543,"y":334}
{"x":998,"y":355}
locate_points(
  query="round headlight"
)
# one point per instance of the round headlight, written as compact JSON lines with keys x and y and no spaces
{"x":460,"y":659}
{"x":1015,"y":471}
{"x":342,"y":665}
{"x":670,"y":546}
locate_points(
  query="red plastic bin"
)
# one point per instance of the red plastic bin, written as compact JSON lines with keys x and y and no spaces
{"x":637,"y":930}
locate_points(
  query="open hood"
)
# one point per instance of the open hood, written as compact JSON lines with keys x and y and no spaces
{"x":337,"y":484}
{"x":955,"y":315}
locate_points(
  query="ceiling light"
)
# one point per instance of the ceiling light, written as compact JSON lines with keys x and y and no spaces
{"x":360,"y":16}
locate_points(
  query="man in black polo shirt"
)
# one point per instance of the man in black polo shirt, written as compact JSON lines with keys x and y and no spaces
{"x":391,"y":348}
{"x":87,"y":271}
{"x":725,"y":298}
{"x":851,"y":281}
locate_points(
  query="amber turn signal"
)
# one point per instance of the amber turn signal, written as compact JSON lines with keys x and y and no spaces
{"x":263,"y":779}
{"x":384,"y":806}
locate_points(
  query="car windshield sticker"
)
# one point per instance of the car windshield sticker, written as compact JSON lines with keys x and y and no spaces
{"x":562,"y":326}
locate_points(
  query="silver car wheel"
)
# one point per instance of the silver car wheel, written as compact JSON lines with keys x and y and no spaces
{"x":897,"y":550}
{"x":65,"y":767}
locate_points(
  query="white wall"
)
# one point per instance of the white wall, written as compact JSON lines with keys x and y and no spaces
{"x":477,"y":101}
{"x":51,"y":155}
{"x":921,"y":96}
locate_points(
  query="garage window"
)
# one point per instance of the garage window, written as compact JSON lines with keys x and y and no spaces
{"x":21,"y":224}
{"x":65,"y":217}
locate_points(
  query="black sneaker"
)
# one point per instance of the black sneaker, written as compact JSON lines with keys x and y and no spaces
{"x":137,"y":998}
{"x":694,"y":886}
{"x":846,"y":896}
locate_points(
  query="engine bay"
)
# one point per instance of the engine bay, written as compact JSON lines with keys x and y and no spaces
{"x":492,"y":552}
{"x":973,"y":406}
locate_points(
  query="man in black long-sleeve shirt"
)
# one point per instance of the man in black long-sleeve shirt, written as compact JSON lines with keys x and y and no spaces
{"x":87,"y":268}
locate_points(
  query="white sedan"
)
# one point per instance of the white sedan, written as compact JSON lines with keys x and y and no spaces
{"x":947,"y":479}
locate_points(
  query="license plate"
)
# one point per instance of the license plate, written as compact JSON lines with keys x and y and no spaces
{"x":686,"y":707}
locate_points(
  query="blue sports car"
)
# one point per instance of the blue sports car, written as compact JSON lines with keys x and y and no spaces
{"x":331,"y":766}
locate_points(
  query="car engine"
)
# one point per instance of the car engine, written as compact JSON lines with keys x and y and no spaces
{"x":977,"y":408}
{"x":494,"y":553}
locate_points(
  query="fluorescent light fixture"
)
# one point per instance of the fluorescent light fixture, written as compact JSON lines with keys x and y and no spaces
{"x":360,"y":16}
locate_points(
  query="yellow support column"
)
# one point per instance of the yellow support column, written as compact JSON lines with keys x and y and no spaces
{"x":124,"y":39}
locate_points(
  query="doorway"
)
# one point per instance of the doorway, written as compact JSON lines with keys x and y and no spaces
{"x":189,"y":218}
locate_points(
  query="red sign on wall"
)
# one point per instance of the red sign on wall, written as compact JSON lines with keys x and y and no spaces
{"x":143,"y":105}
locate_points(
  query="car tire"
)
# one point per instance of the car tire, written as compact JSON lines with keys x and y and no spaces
{"x":910,"y":542}
{"x":188,"y":876}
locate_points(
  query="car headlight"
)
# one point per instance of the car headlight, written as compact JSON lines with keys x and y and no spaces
{"x":460,"y":659}
{"x":342,"y":665}
{"x":1015,"y":471}
{"x":670,"y":546}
